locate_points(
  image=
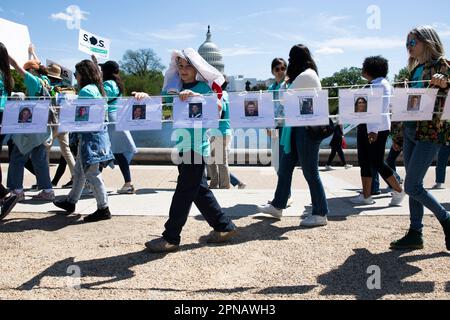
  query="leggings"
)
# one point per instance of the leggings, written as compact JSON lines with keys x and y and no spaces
{"x":371,"y":155}
{"x":123,"y":165}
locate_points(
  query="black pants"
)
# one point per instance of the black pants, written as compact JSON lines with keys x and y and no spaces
{"x":371,"y":155}
{"x":192,"y":188}
{"x":336,"y":150}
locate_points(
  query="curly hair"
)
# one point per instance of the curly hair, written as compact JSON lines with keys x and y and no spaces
{"x":89,"y":74}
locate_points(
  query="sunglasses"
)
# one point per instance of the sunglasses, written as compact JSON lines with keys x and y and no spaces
{"x":278,"y":69}
{"x":411,"y":43}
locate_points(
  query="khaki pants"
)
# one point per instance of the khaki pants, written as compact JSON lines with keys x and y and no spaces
{"x":218,"y":169}
{"x":63,"y":139}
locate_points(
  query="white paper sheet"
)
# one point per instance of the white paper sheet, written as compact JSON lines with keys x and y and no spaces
{"x":138,"y":115}
{"x":16,"y":38}
{"x":360,"y":106}
{"x":413,"y":104}
{"x":29,"y":116}
{"x":252,"y":110}
{"x":446,"y":114}
{"x":82,"y":115}
{"x":196,"y":112}
{"x":306,"y":108}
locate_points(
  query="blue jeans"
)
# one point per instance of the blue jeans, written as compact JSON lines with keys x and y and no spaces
{"x":234,"y":180}
{"x":442,"y":162}
{"x":93,"y":175}
{"x":419,"y":156}
{"x":305,"y":150}
{"x":39,"y":158}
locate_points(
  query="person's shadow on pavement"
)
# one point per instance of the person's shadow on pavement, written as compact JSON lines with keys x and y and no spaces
{"x":357,"y":277}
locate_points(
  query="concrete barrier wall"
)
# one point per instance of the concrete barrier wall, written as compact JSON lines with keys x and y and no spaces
{"x":240,"y":156}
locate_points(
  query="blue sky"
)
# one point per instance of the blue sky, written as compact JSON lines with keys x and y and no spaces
{"x":250,"y":33}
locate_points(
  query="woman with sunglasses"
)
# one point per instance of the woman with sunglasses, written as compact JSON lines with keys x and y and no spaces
{"x":299,"y":147}
{"x":423,"y":139}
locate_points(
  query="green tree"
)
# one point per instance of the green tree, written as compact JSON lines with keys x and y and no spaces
{"x":402,"y":75}
{"x":19,"y":85}
{"x":141,"y":62}
{"x":345,"y":77}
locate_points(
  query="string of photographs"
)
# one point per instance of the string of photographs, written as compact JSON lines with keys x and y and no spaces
{"x":251,"y":110}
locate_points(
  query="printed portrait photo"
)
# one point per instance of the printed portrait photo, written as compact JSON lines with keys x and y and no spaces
{"x":251,"y":108}
{"x":195,"y":110}
{"x":82,"y":114}
{"x":26,"y":114}
{"x":306,"y":106}
{"x":414,"y":103}
{"x":361,"y":104}
{"x":139,"y":112}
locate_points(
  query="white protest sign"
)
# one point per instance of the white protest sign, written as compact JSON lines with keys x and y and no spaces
{"x":138,"y":115}
{"x":446,"y":113}
{"x":196,"y":112}
{"x":413,"y":104}
{"x":252,"y":110}
{"x":82,"y":115}
{"x":306,"y":108}
{"x":93,"y":44}
{"x":66,"y":74}
{"x":16,"y":38}
{"x":22,"y":117}
{"x":360,"y":106}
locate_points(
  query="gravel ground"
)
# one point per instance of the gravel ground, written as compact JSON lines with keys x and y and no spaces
{"x":268,"y":260}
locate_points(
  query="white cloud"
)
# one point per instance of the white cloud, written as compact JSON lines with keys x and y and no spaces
{"x":329,"y":51}
{"x":73,"y":15}
{"x":240,"y":50}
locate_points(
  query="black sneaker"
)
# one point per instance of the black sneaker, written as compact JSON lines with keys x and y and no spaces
{"x":7,"y":205}
{"x":68,"y":185}
{"x":446,"y":226}
{"x":65,"y":205}
{"x":99,"y":215}
{"x":412,"y":241}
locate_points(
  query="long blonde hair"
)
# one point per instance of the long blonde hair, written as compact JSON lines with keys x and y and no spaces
{"x":434,"y":49}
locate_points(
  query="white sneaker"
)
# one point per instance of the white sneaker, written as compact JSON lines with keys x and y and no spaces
{"x":271,"y":210}
{"x":329,"y":168}
{"x":362,"y":201}
{"x":348,"y":166}
{"x":397,"y":198}
{"x":290,"y":202}
{"x":438,"y":186}
{"x":314,"y":221}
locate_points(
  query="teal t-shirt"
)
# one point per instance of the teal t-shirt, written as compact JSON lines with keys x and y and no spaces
{"x":417,"y":76}
{"x":3,"y":94}
{"x":194,"y":140}
{"x":90,"y":92}
{"x":224,"y":124}
{"x":34,"y":85}
{"x":112,"y":93}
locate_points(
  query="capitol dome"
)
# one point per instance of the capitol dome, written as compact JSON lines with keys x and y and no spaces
{"x":211,"y":53}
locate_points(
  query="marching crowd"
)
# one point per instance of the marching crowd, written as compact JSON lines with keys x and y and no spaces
{"x":88,"y":154}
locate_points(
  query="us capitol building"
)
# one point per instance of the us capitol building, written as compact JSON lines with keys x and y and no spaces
{"x":211,"y":53}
